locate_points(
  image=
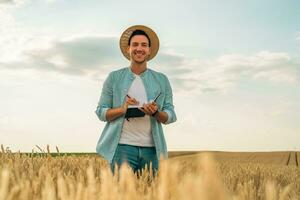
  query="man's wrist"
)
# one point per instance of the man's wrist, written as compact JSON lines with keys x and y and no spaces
{"x":124,"y":108}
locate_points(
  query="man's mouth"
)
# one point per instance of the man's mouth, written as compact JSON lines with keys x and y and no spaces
{"x":139,"y":53}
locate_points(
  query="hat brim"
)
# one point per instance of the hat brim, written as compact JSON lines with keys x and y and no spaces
{"x":152,"y":35}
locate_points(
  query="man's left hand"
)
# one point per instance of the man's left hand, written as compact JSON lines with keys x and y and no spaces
{"x":149,"y":108}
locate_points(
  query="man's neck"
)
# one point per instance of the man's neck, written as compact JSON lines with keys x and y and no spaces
{"x":138,"y":68}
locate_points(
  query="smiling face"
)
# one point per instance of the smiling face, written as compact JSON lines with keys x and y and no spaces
{"x":139,"y":49}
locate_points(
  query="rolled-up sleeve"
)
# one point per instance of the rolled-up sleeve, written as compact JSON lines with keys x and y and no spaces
{"x":106,"y":98}
{"x":168,"y":106}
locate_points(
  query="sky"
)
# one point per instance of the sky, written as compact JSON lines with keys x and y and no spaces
{"x":234,"y":68}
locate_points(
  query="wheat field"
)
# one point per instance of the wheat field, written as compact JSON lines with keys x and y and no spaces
{"x":202,"y":175}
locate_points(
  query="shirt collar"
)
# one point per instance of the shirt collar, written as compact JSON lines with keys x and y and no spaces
{"x":141,"y":75}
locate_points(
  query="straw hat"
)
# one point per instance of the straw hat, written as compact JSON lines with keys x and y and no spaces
{"x":152,"y":35}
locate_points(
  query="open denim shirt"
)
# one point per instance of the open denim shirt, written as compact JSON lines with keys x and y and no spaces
{"x":113,"y":95}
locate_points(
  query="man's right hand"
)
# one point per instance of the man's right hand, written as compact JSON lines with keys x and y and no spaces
{"x":114,"y":113}
{"x":129,"y":101}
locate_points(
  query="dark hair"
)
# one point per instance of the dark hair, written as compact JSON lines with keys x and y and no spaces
{"x":139,"y":32}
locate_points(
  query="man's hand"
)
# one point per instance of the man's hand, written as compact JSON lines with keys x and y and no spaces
{"x":129,"y":101}
{"x":114,"y":113}
{"x":149,"y":108}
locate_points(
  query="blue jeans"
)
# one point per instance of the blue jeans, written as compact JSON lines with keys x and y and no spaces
{"x":136,"y":157}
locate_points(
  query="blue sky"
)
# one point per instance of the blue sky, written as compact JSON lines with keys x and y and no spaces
{"x":234,"y":67}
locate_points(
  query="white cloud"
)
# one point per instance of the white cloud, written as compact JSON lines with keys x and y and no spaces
{"x":288,"y":75}
{"x":95,"y":55}
{"x":273,"y":66}
{"x":5,"y":1}
{"x":79,"y":56}
{"x":17,"y":38}
{"x":8,"y":3}
{"x":220,"y":74}
{"x":11,"y":3}
{"x":50,"y":1}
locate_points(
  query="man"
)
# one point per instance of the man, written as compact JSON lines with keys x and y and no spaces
{"x":134,"y":102}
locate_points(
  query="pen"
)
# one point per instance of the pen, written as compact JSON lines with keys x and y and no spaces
{"x":156,"y":97}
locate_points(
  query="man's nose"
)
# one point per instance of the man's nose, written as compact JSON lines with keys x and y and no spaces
{"x":139,"y":47}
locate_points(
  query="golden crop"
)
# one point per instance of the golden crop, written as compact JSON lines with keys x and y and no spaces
{"x":196,"y":176}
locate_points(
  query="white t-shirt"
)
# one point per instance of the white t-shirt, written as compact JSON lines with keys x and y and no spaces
{"x":137,"y":131}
